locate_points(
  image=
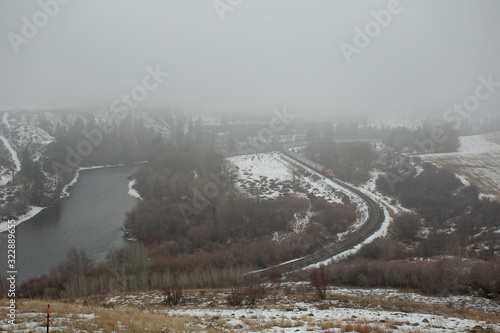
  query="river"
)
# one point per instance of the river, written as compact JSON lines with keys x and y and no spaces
{"x":91,"y":219}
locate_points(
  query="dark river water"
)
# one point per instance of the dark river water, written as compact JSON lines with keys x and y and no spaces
{"x":91,"y":219}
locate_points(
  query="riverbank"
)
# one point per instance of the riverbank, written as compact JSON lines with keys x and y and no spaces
{"x":65,"y":193}
{"x":132,"y":191}
{"x":32,"y":212}
{"x":90,"y":219}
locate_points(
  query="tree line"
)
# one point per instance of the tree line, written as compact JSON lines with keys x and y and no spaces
{"x":350,"y":161}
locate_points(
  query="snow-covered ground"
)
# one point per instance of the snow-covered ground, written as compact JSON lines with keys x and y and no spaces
{"x":34,"y":210}
{"x":483,"y":143}
{"x":473,"y":303}
{"x":270,"y":175}
{"x":291,"y":307}
{"x":296,"y":319}
{"x":369,"y":188}
{"x":6,"y":175}
{"x":477,"y":162}
{"x":132,"y":191}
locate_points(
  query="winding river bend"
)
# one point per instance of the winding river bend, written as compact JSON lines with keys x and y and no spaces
{"x":91,"y":219}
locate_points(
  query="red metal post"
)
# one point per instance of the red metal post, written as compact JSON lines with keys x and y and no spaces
{"x":48,"y":317}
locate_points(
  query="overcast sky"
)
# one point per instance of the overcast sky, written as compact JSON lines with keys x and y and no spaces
{"x":264,"y":53}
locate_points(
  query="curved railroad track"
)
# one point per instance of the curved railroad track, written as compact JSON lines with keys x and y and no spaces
{"x":373,"y":223}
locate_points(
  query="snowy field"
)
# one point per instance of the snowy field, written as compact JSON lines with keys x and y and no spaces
{"x":289,"y":307}
{"x":477,"y":162}
{"x":269,"y":175}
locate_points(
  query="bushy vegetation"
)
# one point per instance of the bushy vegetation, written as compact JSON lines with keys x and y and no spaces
{"x":126,"y":269}
{"x":431,"y":193}
{"x":161,"y":223}
{"x":248,"y":295}
{"x":193,"y":256}
{"x":427,"y":139}
{"x":439,"y":197}
{"x":30,"y":186}
{"x":350,"y":161}
{"x":330,"y":219}
{"x":439,"y":277}
{"x":219,"y":225}
{"x":222,"y":236}
{"x":318,"y":277}
{"x":188,"y":238}
{"x":129,"y":141}
{"x":175,"y":170}
{"x":406,"y":227}
{"x":458,"y":224}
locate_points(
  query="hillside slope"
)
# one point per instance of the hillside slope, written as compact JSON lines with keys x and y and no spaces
{"x":477,"y":162}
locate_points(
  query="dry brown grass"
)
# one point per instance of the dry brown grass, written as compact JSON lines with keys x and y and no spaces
{"x":68,"y":317}
{"x":362,"y":326}
{"x":411,"y":306}
{"x":360,"y":302}
{"x":90,"y":314}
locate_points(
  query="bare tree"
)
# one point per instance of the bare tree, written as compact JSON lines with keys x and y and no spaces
{"x":254,"y":292}
{"x":318,"y":277}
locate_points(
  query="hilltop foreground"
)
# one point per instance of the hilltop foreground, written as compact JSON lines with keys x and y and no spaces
{"x":289,"y":307}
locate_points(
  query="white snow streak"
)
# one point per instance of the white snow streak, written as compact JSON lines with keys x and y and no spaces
{"x":131,"y":190}
{"x":31,"y":213}
{"x":13,"y":153}
{"x":5,"y":121}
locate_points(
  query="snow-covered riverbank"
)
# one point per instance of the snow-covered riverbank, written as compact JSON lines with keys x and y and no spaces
{"x":132,"y":191}
{"x":65,"y":191}
{"x":34,"y":210}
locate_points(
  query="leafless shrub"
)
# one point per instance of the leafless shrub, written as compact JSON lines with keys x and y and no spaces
{"x":318,"y":277}
{"x":255,"y":292}
{"x":235,"y":297}
{"x":172,"y":294}
{"x":275,"y":279}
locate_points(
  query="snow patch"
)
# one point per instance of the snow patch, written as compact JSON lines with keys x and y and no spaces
{"x":5,"y":120}
{"x":477,"y":144}
{"x":132,"y":191}
{"x":34,"y":210}
{"x":463,"y":180}
{"x":13,"y":154}
{"x":477,"y":162}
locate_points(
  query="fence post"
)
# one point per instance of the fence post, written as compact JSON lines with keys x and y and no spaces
{"x":48,"y":317}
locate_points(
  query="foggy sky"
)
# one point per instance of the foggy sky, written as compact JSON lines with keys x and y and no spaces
{"x":264,"y":53}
